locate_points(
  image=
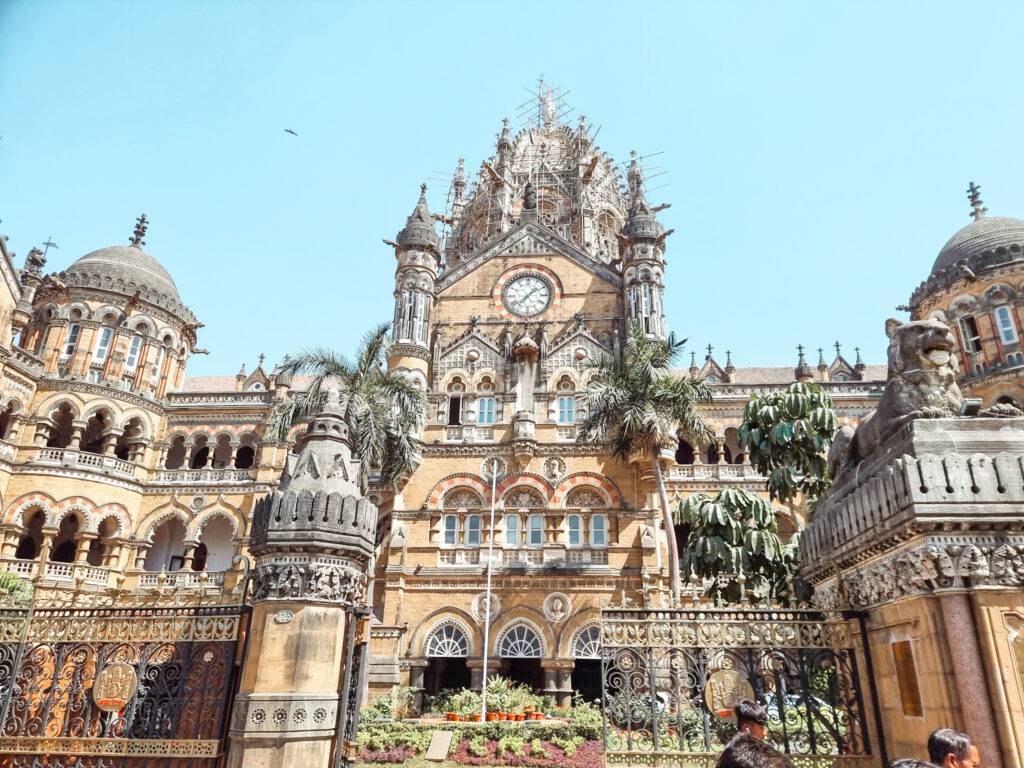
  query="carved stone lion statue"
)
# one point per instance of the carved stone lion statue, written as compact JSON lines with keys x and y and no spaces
{"x":921,"y":385}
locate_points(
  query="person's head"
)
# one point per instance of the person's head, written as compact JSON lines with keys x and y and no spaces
{"x":752,"y":719}
{"x":745,"y":751}
{"x":910,"y":762}
{"x":951,"y":749}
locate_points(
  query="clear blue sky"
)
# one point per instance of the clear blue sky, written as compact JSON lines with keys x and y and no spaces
{"x":817,"y":152}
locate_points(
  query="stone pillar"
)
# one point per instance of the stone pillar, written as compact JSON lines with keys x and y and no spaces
{"x":551,"y":667}
{"x":110,"y":441}
{"x":416,"y":669}
{"x":565,"y":689}
{"x":141,"y":550}
{"x":310,"y":576}
{"x":969,"y":673}
{"x":77,"y":433}
{"x":476,"y":670}
{"x":9,"y":544}
{"x":49,"y":534}
{"x":43,"y":431}
{"x":188,"y":556}
{"x":82,"y":543}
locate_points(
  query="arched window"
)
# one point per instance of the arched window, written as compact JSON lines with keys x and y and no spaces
{"x":102,"y":346}
{"x":567,"y":409}
{"x":1007,"y":328}
{"x":447,"y":641}
{"x":575,"y":523}
{"x":244,"y":457}
{"x":485,"y":410}
{"x":69,"y":346}
{"x":536,"y":533}
{"x":971,"y":336}
{"x":473,"y":530}
{"x":684,"y":453}
{"x":587,"y":643}
{"x":455,"y":391}
{"x":450,"y":528}
{"x":63,"y":427}
{"x":520,"y":641}
{"x":131,"y":360}
{"x":7,"y":418}
{"x":513,"y":531}
{"x":158,"y":363}
{"x":598,"y":530}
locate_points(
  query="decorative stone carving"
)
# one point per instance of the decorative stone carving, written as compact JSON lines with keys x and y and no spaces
{"x":554,"y":469}
{"x":480,"y":607}
{"x":293,"y":714}
{"x":921,"y":384}
{"x":557,"y":607}
{"x":315,"y":581}
{"x":487,"y":465}
{"x":585,"y":497}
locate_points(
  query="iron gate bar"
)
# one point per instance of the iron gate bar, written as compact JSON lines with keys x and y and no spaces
{"x":801,"y":664}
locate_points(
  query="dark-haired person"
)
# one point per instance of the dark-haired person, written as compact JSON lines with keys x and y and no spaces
{"x":745,"y":751}
{"x":751,"y":719}
{"x":910,"y":762}
{"x":951,"y":749}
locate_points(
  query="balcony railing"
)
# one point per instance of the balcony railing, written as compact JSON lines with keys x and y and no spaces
{"x":734,"y":472}
{"x":68,"y":457}
{"x":227,"y":475}
{"x":586,"y":557}
{"x":458,"y":557}
{"x":59,"y":573}
{"x":182,"y":578}
{"x":463,"y":434}
{"x":522,"y":557}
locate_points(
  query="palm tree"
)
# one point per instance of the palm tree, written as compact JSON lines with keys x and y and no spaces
{"x":638,"y":406}
{"x":383,"y":409}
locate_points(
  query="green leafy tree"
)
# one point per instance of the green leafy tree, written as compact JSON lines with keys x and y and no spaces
{"x":787,"y":435}
{"x":736,"y":532}
{"x":637,"y":405}
{"x":383,"y":409}
{"x":14,"y":590}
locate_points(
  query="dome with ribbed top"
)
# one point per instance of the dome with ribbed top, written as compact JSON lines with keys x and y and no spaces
{"x":126,"y":268}
{"x":987,"y":233}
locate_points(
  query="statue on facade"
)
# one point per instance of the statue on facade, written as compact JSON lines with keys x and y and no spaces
{"x":529,"y":197}
{"x":921,"y":384}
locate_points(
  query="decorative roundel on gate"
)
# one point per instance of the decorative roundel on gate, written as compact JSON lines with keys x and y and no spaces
{"x":725,"y":689}
{"x":114,"y":686}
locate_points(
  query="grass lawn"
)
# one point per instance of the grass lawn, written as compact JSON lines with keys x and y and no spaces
{"x":422,"y":762}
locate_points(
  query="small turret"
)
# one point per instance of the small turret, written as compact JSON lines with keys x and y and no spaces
{"x":418,"y":232}
{"x":418,"y":253}
{"x":643,"y":241}
{"x":802,"y":372}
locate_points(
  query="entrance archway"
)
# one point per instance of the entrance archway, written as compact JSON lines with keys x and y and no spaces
{"x":586,"y":674}
{"x":446,"y":649}
{"x":521,"y":649}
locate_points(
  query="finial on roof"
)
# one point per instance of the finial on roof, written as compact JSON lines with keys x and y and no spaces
{"x":48,"y":245}
{"x":859,"y":361}
{"x":838,"y":347}
{"x":423,"y":190}
{"x":141,"y":224}
{"x":262,"y":357}
{"x":241,"y":371}
{"x":802,"y":371}
{"x":710,"y":349}
{"x":728,"y":359}
{"x":821,"y":358}
{"x":529,"y":197}
{"x":693,"y":362}
{"x":977,"y":206}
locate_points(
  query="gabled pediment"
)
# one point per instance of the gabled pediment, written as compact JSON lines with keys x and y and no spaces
{"x":712,"y":370}
{"x":530,"y":238}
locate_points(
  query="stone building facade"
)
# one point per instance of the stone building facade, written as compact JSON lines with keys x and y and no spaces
{"x":116,"y":468}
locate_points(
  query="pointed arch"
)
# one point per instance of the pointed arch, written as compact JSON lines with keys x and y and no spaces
{"x":444,"y":485}
{"x":520,"y":639}
{"x":116,"y":512}
{"x":528,"y":479}
{"x":152,"y":521}
{"x":194,"y":529}
{"x":448,"y":638}
{"x":30,"y":501}
{"x":602,"y":484}
{"x":418,"y":637}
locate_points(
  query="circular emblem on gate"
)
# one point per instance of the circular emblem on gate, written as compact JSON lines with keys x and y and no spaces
{"x":114,"y":686}
{"x":724,"y":690}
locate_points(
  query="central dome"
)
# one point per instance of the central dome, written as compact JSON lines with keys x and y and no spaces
{"x":987,"y":233}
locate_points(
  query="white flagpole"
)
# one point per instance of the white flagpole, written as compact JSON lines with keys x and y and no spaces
{"x":487,"y":593}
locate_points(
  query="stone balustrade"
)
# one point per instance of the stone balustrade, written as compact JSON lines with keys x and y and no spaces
{"x":227,"y":475}
{"x":721,"y":472}
{"x":69,"y":457}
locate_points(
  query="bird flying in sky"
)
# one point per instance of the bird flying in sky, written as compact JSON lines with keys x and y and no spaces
{"x":289,"y":130}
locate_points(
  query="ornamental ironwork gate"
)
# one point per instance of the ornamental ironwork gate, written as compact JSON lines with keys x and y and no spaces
{"x":671,"y":677}
{"x":134,"y":681}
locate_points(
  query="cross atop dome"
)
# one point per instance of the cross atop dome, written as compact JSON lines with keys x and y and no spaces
{"x":141,"y":224}
{"x":977,"y":206}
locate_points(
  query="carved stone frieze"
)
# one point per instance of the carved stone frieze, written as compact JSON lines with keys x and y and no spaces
{"x":293,"y":714}
{"x":313,"y":580}
{"x":934,"y":564}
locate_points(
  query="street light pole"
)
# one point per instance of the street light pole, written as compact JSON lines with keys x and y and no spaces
{"x":487,"y":593}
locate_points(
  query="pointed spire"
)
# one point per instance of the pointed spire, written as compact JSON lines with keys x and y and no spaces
{"x":821,"y":358}
{"x":419,"y":227}
{"x":241,"y":372}
{"x":459,"y":181}
{"x":977,"y":206}
{"x":710,"y":349}
{"x":694,"y":370}
{"x":838,"y":347}
{"x":859,"y":363}
{"x":729,"y":367}
{"x":802,"y":372}
{"x":262,"y":357}
{"x":141,"y":225}
{"x":634,"y":176}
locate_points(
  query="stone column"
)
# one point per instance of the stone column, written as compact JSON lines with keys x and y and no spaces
{"x":110,"y":441}
{"x":82,"y":543}
{"x":141,"y":550}
{"x":188,"y":556}
{"x":9,"y":544}
{"x":49,"y":534}
{"x":77,"y":433}
{"x":476,"y":670}
{"x":565,"y":689}
{"x":551,"y":667}
{"x":969,"y":673}
{"x":310,"y":576}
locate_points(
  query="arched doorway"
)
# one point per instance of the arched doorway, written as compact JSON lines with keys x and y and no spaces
{"x":446,"y":648}
{"x":64,"y":543}
{"x":32,"y":540}
{"x":167,"y":552}
{"x":586,"y":674}
{"x":63,"y":427}
{"x":521,"y":649}
{"x":216,"y":546}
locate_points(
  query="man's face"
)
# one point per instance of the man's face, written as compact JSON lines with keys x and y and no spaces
{"x":973,"y":760}
{"x":758,"y":731}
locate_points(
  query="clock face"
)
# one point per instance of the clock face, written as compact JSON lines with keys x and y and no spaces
{"x":527,"y":295}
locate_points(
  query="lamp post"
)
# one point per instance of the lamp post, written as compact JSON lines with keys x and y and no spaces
{"x":487,"y":593}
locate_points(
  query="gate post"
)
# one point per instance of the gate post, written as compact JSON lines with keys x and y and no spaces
{"x":312,"y":539}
